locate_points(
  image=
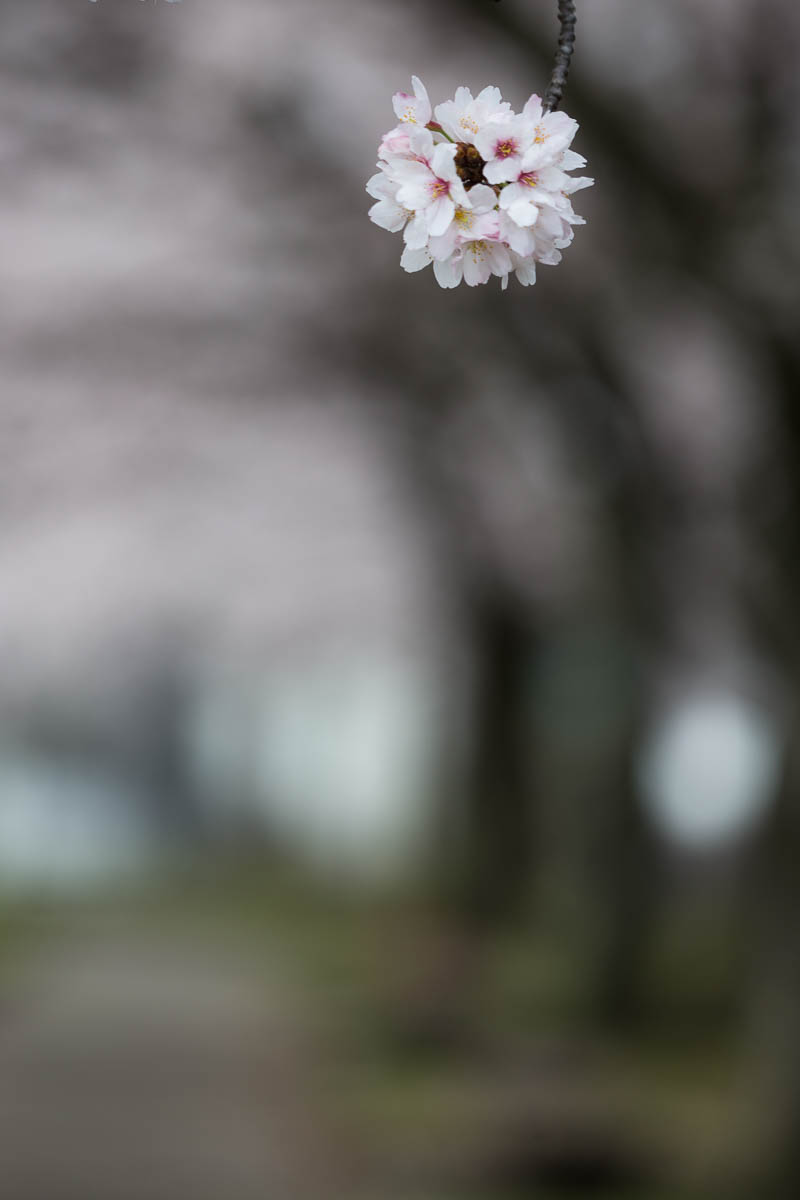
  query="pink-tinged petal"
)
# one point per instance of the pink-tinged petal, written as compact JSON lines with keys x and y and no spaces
{"x":439,"y":215}
{"x":485,"y":227}
{"x":413,"y":110}
{"x":395,"y":142}
{"x":404,"y":106}
{"x":415,"y":260}
{"x":450,"y":272}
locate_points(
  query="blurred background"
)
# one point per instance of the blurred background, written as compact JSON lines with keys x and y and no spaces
{"x":399,"y":730}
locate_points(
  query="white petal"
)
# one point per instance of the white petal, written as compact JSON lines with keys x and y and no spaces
{"x":443,"y":246}
{"x":477,"y":265}
{"x":424,"y":110}
{"x":415,"y":260}
{"x":503,"y":170}
{"x":524,"y":213}
{"x":416,"y":232}
{"x":450,"y":272}
{"x":577,"y":185}
{"x":376,"y":186}
{"x":414,"y":196}
{"x":448,"y":116}
{"x":486,"y":141}
{"x":439,"y":215}
{"x":512,"y":194}
{"x":499,"y":259}
{"x":526,"y":272}
{"x":422,"y":144}
{"x":408,"y":170}
{"x":388,"y":215}
{"x":482,"y":198}
{"x":492,"y":97}
{"x":570,"y":161}
{"x":442,"y":163}
{"x":533,"y":109}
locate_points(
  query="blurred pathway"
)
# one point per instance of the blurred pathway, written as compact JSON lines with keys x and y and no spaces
{"x":135,"y":1066}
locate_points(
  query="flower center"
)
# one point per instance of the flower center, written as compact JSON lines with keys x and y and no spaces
{"x":464,"y":218}
{"x":530,"y":180}
{"x":506,"y":149}
{"x":541,"y":135}
{"x":468,"y":123}
{"x":469,"y":164}
{"x":440,"y":188}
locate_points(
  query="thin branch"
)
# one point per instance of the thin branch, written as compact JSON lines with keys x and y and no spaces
{"x":566,"y":44}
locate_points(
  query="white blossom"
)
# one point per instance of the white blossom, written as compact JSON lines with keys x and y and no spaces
{"x":416,"y":109}
{"x":463,"y":118}
{"x":478,"y":190}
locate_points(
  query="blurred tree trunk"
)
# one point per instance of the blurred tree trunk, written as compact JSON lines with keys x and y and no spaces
{"x":775,"y":897}
{"x":774,"y":1092}
{"x":625,"y":891}
{"x":497,"y":862}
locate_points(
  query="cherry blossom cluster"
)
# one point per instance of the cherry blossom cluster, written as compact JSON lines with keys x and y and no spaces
{"x":477,"y":189}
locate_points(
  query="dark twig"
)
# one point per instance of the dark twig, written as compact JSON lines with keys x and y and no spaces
{"x":566,"y":44}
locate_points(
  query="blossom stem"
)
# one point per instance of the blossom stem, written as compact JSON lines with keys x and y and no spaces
{"x":566,"y":44}
{"x":438,"y":129}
